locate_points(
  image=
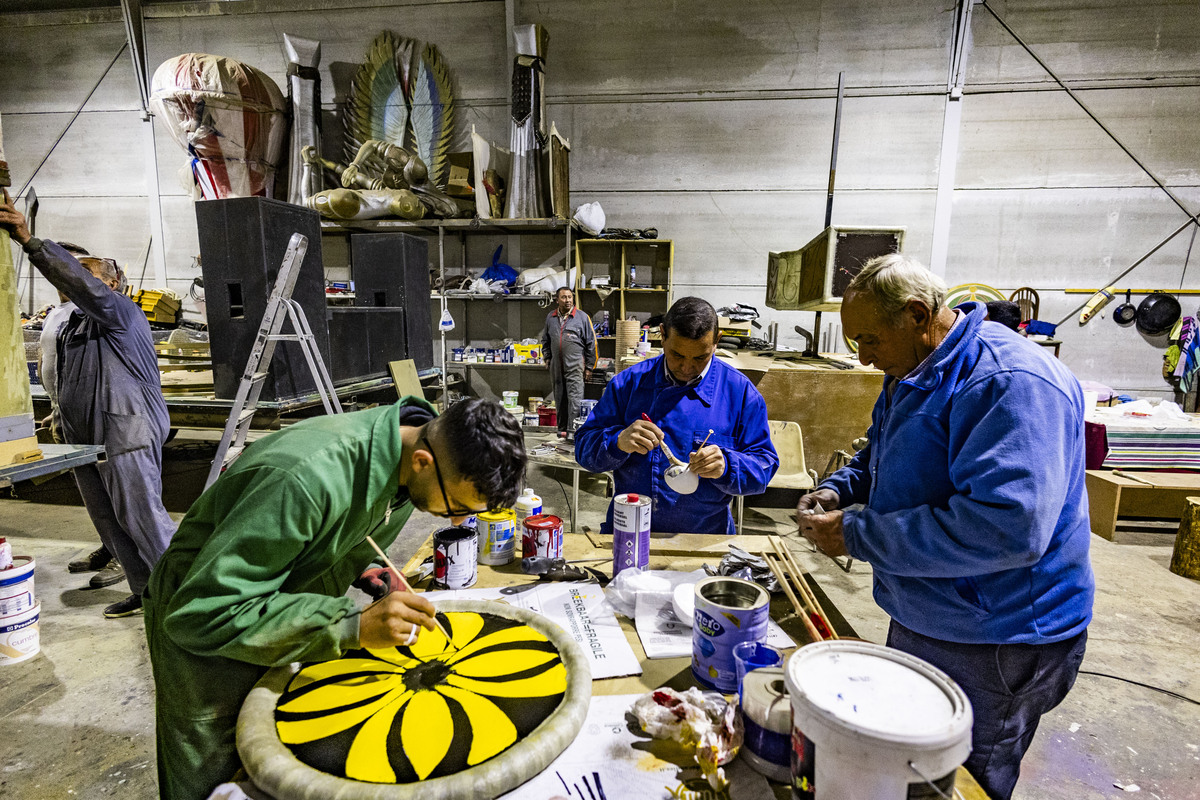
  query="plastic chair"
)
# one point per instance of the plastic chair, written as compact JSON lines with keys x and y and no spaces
{"x":792,"y":473}
{"x":1028,"y":301}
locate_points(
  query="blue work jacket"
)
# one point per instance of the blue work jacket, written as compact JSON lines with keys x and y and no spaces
{"x":976,"y":516}
{"x":723,"y":400}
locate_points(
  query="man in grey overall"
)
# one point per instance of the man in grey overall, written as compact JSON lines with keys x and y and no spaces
{"x":569,"y":348}
{"x":109,"y":394}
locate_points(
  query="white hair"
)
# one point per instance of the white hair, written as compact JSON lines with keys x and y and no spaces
{"x":893,"y":281}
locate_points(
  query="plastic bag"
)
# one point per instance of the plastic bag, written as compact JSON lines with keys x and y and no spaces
{"x":623,"y":590}
{"x":590,"y":217}
{"x":499,"y":271}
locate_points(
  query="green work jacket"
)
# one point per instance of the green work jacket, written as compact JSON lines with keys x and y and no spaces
{"x":257,"y":573}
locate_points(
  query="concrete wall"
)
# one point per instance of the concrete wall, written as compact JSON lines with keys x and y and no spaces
{"x":712,"y":122}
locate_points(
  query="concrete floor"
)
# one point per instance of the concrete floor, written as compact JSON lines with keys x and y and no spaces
{"x":76,"y":721}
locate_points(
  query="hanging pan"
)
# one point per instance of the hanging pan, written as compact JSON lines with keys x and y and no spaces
{"x":1157,"y":313}
{"x":1125,"y":312}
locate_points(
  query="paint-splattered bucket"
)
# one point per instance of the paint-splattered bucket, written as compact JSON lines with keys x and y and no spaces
{"x":631,"y":532}
{"x":767,"y":717}
{"x":872,"y":722}
{"x":19,"y":638}
{"x":729,"y":611}
{"x":497,"y":536}
{"x":16,"y":586}
{"x":455,"y":557}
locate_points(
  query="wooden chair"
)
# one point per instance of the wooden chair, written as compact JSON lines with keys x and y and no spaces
{"x":1028,"y":301}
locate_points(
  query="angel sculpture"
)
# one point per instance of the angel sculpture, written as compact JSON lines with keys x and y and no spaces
{"x":379,"y":167}
{"x":348,"y":204}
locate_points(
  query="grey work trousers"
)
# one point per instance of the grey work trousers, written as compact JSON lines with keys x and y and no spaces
{"x":568,"y":395}
{"x":123,"y":496}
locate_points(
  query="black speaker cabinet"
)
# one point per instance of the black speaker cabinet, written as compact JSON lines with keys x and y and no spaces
{"x":365,"y":340}
{"x":391,"y":270}
{"x":242,"y":242}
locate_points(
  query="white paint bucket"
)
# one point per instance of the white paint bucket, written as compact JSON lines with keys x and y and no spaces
{"x":19,"y":636}
{"x":16,"y":586}
{"x":873,"y":723}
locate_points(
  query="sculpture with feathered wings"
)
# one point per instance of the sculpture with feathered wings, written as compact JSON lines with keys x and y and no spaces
{"x":403,"y":94}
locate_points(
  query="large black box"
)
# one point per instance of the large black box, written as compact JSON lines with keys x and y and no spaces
{"x":242,"y":242}
{"x":391,"y":270}
{"x":365,"y":340}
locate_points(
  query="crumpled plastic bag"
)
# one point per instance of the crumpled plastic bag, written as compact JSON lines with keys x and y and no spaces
{"x":621,"y":593}
{"x":499,"y":271}
{"x":703,"y":720}
{"x":738,"y":563}
{"x":590,"y":217}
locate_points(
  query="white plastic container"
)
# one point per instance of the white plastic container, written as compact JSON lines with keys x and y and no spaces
{"x":868,"y":720}
{"x":19,"y":636}
{"x":16,"y":586}
{"x":527,"y":505}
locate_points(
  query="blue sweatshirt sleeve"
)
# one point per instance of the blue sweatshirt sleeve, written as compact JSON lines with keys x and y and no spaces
{"x":1010,"y":447}
{"x":853,"y":481}
{"x":88,"y":292}
{"x":750,"y":467}
{"x":596,"y":440}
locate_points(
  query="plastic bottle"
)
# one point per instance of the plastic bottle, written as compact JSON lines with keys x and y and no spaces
{"x":527,"y":505}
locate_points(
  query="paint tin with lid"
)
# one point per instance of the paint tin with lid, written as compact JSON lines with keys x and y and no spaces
{"x":729,"y":611}
{"x":543,"y":537}
{"x":631,"y":532}
{"x":497,"y":536}
{"x":455,"y":556}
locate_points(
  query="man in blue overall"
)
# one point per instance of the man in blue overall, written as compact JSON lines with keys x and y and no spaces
{"x":974,"y":515}
{"x":108,"y":394}
{"x":685,"y":392}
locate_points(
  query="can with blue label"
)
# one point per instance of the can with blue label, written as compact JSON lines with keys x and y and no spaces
{"x":729,"y":611}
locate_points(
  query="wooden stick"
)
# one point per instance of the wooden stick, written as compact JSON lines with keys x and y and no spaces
{"x":805,"y":588}
{"x":404,"y":584}
{"x":813,"y":633}
{"x":710,"y":433}
{"x":1127,"y":476}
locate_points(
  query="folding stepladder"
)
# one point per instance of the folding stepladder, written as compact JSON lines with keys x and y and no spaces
{"x":280,"y":305}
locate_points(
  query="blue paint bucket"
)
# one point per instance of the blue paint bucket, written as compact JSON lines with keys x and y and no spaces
{"x":729,"y":611}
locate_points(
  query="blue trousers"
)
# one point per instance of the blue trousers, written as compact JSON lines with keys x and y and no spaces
{"x":1010,"y":687}
{"x":123,"y":496}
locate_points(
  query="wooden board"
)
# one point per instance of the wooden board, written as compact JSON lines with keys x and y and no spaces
{"x":1111,"y":496}
{"x":404,"y":375}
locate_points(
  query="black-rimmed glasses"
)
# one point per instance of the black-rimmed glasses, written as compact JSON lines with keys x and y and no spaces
{"x":448,"y":513}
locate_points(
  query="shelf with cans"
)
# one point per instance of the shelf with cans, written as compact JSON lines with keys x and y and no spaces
{"x":623,"y":279}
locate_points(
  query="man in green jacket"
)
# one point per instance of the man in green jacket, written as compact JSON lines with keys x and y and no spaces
{"x":257,"y":573}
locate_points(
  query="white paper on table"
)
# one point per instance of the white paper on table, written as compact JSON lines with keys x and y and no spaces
{"x":579,"y":609}
{"x":608,"y":761}
{"x":664,"y":636}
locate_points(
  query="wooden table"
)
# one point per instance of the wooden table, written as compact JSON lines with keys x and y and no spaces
{"x":684,"y":552}
{"x":1161,"y":495}
{"x":562,"y":457}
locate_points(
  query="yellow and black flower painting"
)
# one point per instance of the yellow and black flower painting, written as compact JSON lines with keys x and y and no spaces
{"x":405,"y":714}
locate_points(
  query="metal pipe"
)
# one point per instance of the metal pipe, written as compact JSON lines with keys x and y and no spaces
{"x":837,"y":132}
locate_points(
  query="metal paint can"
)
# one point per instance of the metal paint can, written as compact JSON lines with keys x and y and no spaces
{"x":497,"y":536}
{"x":16,"y":586}
{"x":631,"y":532}
{"x":543,"y":537}
{"x":729,"y":611}
{"x":455,"y":556}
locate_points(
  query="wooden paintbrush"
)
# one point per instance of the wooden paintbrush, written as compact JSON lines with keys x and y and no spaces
{"x":404,"y":584}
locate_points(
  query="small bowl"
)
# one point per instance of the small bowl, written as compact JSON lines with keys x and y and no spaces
{"x":684,"y":602}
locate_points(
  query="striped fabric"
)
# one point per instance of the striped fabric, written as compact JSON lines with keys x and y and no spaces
{"x":1149,"y":448}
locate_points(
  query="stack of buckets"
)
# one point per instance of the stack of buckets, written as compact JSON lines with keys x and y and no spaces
{"x":851,"y":720}
{"x":19,"y":608}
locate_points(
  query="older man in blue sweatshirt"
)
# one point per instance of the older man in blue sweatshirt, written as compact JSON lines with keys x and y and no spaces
{"x":974,"y":513}
{"x":685,"y":392}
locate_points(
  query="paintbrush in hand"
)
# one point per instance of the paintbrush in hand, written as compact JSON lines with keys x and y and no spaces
{"x":404,"y":584}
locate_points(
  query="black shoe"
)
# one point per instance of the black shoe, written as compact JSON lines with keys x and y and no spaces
{"x":97,"y":559}
{"x":125,"y":608}
{"x":112,"y":573}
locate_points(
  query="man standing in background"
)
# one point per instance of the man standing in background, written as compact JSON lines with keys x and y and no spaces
{"x":569,"y":348}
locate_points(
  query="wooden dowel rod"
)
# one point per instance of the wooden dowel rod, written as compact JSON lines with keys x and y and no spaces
{"x":806,"y":589}
{"x":813,"y":633}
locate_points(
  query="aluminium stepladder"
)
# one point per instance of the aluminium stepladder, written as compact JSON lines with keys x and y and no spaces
{"x":280,"y":305}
